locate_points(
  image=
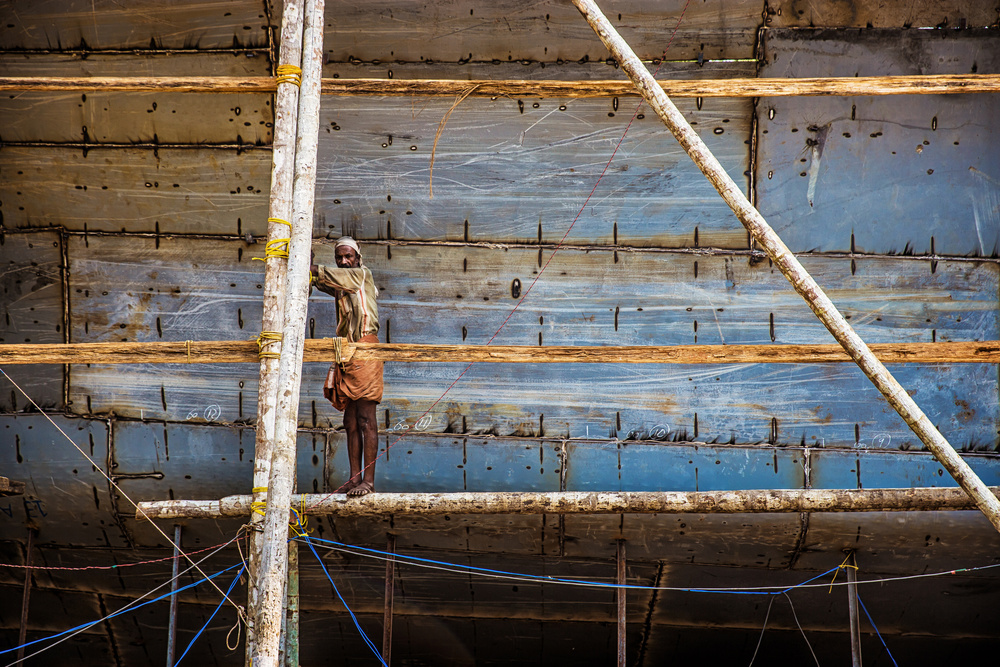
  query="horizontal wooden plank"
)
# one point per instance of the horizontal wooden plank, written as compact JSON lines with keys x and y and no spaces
{"x":943,"y":84}
{"x":193,"y":190}
{"x":31,"y":285}
{"x":640,"y":502}
{"x":548,"y":31}
{"x":185,"y":289}
{"x":867,"y":174}
{"x":884,"y":14}
{"x":95,"y":114}
{"x":108,"y":24}
{"x":230,"y":351}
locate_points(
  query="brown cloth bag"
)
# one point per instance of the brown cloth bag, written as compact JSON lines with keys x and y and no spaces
{"x":359,"y":380}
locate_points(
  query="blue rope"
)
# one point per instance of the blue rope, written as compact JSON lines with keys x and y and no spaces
{"x":548,"y":579}
{"x":221,"y":602}
{"x":354,"y":618}
{"x":876,"y":630}
{"x":123,"y":610}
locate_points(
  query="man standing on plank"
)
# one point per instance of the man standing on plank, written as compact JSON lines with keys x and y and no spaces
{"x":354,"y":387}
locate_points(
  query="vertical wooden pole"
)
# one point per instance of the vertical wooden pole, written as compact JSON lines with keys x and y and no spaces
{"x":620,"y":595}
{"x":292,"y":608}
{"x":22,"y":635}
{"x":286,"y":101}
{"x":390,"y":580}
{"x":274,"y":555}
{"x":789,"y":266}
{"x":172,"y":621}
{"x":852,"y":605}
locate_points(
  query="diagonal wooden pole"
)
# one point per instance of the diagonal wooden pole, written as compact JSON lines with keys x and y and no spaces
{"x":274,"y":554}
{"x":286,"y":102}
{"x":790,"y":267}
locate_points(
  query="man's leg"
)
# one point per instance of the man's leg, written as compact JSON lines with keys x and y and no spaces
{"x":366,"y":423}
{"x":353,"y":445}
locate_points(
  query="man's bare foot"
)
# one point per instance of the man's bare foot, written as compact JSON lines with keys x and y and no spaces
{"x":361,"y":489}
{"x":348,"y":486}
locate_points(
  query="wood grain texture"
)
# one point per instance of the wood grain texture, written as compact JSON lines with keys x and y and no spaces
{"x":942,"y":84}
{"x":708,"y":502}
{"x":230,"y":351}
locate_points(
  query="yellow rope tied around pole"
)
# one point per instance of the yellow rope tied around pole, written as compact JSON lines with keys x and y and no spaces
{"x":265,"y":338}
{"x":840,"y":567}
{"x":259,"y":505}
{"x":276,"y":247}
{"x":280,"y":222}
{"x":289,"y":74}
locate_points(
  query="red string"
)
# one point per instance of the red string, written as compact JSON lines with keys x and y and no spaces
{"x":540,"y":272}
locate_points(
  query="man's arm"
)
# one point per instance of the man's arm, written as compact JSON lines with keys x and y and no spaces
{"x":329,"y":279}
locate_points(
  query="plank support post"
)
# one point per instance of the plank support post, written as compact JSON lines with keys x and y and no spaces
{"x":787,"y":263}
{"x":274,"y":554}
{"x":620,"y":600}
{"x":852,"y":606}
{"x":22,"y":635}
{"x":390,"y":580}
{"x":172,"y":622}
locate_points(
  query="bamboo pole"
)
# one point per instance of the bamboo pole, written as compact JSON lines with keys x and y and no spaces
{"x":274,"y":557}
{"x":927,"y":84}
{"x":316,"y":350}
{"x":789,"y":265}
{"x":286,"y":103}
{"x":578,"y":502}
{"x":620,"y":600}
{"x":852,"y":610}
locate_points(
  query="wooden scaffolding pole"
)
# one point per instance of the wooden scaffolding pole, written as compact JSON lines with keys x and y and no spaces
{"x":274,"y":556}
{"x":788,"y":264}
{"x":323,"y":349}
{"x":286,"y":104}
{"x":580,"y":502}
{"x":927,"y":84}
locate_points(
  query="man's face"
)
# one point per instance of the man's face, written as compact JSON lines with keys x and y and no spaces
{"x":347,"y":258}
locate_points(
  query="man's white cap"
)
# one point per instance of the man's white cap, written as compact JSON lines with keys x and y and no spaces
{"x":349,"y":242}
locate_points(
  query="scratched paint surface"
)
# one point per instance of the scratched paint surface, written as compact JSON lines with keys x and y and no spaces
{"x":31,"y":299}
{"x":191,"y":190}
{"x":129,"y":117}
{"x":109,"y":24}
{"x":128,"y":289}
{"x":893,"y":14}
{"x":893,"y":174}
{"x":502,"y":169}
{"x":547,"y":31}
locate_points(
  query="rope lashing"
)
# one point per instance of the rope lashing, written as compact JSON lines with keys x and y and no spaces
{"x":280,"y":222}
{"x":264,"y":339}
{"x":337,"y":352}
{"x":276,"y":247}
{"x":258,"y":506}
{"x":289,"y":74}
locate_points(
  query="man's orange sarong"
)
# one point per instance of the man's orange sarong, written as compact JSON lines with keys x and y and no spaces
{"x":359,"y":380}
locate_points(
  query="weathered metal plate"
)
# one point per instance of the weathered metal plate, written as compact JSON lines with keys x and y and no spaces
{"x":200,"y":462}
{"x":201,"y":290}
{"x":65,"y":496}
{"x":871,"y":469}
{"x":32,"y":303}
{"x":868,"y":174}
{"x":131,"y":117}
{"x":546,"y":31}
{"x":191,"y":190}
{"x":109,"y":24}
{"x":520,"y":170}
{"x":883,"y":14}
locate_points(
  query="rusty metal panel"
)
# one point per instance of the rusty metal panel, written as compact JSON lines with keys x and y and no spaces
{"x":110,"y":24}
{"x":32,"y":302}
{"x":882,"y":14}
{"x":189,"y":190}
{"x":519,"y":170}
{"x":868,"y":469}
{"x":203,"y":289}
{"x":65,"y":496}
{"x":133,"y":117}
{"x":546,"y":31}
{"x":891,"y":174}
